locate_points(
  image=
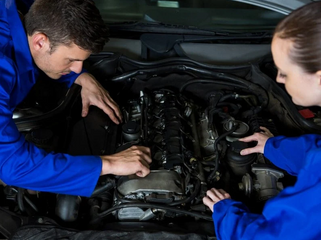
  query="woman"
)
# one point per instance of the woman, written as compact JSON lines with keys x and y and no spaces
{"x":295,"y":213}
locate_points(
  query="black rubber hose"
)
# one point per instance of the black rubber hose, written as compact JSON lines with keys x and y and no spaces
{"x":210,"y":82}
{"x":20,"y":196}
{"x":215,"y":149}
{"x":31,"y":203}
{"x":104,"y":188}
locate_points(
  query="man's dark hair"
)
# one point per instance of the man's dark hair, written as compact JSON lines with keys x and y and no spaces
{"x":303,"y":28}
{"x":65,"y":22}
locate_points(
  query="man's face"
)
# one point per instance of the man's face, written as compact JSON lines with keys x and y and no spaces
{"x":304,"y":88}
{"x":63,"y":60}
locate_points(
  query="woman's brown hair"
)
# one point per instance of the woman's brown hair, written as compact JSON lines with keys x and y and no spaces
{"x":303,"y":28}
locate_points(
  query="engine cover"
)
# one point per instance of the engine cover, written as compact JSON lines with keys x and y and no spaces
{"x":166,"y":124}
{"x":159,"y":186}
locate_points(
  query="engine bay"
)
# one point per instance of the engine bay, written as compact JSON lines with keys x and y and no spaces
{"x":190,"y":116}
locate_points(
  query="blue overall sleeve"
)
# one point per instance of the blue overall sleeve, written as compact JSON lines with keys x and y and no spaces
{"x":294,"y":212}
{"x":290,"y":153}
{"x":24,"y":165}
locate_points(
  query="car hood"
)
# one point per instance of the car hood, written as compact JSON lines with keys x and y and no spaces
{"x":281,"y":6}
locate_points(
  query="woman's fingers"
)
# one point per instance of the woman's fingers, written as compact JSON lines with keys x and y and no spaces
{"x":213,"y":196}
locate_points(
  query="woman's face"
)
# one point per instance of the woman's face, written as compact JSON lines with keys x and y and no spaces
{"x":304,"y":88}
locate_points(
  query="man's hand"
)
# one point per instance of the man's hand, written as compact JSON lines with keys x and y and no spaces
{"x":213,"y":196}
{"x":134,"y":160}
{"x":260,"y":138}
{"x":92,"y":93}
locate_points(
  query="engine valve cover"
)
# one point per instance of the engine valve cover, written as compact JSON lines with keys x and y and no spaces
{"x":158,"y":186}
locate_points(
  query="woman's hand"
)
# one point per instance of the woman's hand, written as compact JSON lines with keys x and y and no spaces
{"x":213,"y":196}
{"x":260,"y":138}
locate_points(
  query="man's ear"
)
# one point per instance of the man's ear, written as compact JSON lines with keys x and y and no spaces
{"x":40,"y":42}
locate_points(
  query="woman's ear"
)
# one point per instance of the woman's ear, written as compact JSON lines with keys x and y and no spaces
{"x":318,"y":73}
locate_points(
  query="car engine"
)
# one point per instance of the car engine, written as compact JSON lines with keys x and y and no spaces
{"x":194,"y":146}
{"x":192,"y":124}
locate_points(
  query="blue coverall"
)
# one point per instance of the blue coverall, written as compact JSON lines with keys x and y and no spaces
{"x":295,"y":212}
{"x":21,"y":163}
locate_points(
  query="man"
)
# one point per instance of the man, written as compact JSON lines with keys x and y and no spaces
{"x":60,"y":35}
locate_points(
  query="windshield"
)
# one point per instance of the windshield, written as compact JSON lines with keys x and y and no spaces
{"x":202,"y":14}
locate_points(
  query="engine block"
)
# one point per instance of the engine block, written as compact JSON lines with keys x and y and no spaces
{"x":163,"y":123}
{"x":188,"y":142}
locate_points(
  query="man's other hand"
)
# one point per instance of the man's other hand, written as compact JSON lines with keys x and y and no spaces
{"x":92,"y":93}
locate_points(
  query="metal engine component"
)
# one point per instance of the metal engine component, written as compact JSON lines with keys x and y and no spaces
{"x":241,"y":131}
{"x":246,"y":185}
{"x":164,"y":119}
{"x":135,"y":213}
{"x":266,"y":184}
{"x":207,"y":136}
{"x":159,"y":186}
{"x":168,"y":125}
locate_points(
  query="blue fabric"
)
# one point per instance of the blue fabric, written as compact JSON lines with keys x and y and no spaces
{"x":22,"y":164}
{"x":295,"y":212}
